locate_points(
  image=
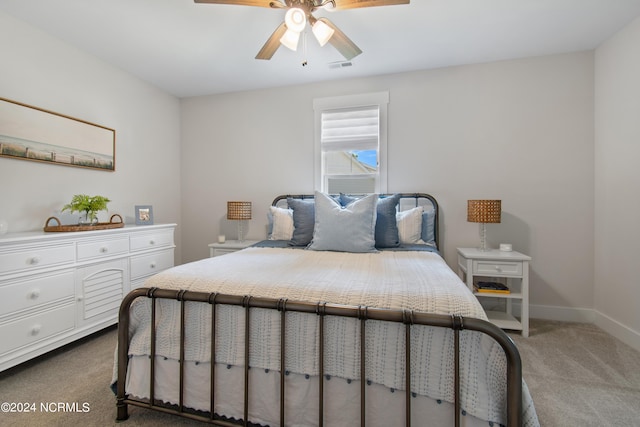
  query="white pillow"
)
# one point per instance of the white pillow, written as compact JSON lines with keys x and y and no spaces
{"x":410,"y":226}
{"x":282,"y":223}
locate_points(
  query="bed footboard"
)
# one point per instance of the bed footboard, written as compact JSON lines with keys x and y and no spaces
{"x":406,"y":317}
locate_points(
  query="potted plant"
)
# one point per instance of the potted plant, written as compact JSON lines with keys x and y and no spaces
{"x":89,"y":205}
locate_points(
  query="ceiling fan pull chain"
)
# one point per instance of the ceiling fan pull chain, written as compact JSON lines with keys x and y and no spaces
{"x":304,"y":49}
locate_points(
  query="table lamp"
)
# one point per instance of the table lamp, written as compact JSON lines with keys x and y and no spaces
{"x":239,"y":211}
{"x":484,"y":212}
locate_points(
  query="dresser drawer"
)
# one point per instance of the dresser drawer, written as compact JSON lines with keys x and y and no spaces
{"x":31,"y":257}
{"x":36,"y":290}
{"x":31,"y":329}
{"x":102,"y":248}
{"x":146,"y":265}
{"x":497,"y":268}
{"x":151,"y":240}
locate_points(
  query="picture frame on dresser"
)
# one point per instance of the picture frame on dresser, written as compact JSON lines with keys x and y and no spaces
{"x":144,"y":215}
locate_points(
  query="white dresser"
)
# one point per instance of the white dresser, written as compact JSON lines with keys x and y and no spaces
{"x":58,"y":287}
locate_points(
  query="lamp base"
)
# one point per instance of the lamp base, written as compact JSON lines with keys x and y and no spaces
{"x":483,"y":238}
{"x":241,"y":231}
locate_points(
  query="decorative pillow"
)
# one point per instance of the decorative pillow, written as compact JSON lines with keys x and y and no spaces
{"x":410,"y":225}
{"x":345,"y":229}
{"x":428,"y":227}
{"x":303,"y":221}
{"x":386,"y":226}
{"x":281,"y":221}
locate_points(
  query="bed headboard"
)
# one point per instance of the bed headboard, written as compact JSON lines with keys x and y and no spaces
{"x":407,"y":201}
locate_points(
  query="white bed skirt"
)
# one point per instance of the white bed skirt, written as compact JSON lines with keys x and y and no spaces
{"x":384,"y":408}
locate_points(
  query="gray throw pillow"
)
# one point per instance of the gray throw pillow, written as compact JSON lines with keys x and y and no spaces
{"x":303,"y":221}
{"x":386,"y":225}
{"x":346,"y":229}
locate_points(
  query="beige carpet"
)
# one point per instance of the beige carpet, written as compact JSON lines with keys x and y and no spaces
{"x":577,"y":374}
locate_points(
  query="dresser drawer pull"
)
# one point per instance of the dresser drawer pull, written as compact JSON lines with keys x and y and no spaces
{"x":498,"y":268}
{"x":35,"y":329}
{"x":152,"y":242}
{"x":104,"y":249}
{"x":34,"y":260}
{"x":34,"y":294}
{"x":152,"y":265}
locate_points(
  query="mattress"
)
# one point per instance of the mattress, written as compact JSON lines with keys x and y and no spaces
{"x":411,"y":280}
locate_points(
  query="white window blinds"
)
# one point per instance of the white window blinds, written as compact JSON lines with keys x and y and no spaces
{"x":350,"y":129}
{"x":350,"y":141}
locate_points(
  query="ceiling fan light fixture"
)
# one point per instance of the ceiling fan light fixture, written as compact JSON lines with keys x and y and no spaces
{"x":290,"y":39}
{"x":295,"y":19}
{"x":322,"y":32}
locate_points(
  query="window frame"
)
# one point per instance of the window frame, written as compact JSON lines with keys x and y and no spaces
{"x":379,"y":99}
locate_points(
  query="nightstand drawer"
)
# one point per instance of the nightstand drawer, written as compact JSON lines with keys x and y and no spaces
{"x":103,"y":248}
{"x":218,"y":251}
{"x":228,"y":247}
{"x":497,"y":268}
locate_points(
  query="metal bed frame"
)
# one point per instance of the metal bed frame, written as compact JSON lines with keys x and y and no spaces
{"x":406,"y":317}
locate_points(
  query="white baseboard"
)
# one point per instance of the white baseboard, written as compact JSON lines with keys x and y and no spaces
{"x":563,"y":314}
{"x":547,"y":312}
{"x":569,"y":314}
{"x":618,"y":330}
{"x":584,"y":315}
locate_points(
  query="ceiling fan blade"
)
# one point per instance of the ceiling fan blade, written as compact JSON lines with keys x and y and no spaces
{"x":272,"y":44}
{"x":341,"y":42}
{"x":352,"y":4}
{"x":260,"y":3}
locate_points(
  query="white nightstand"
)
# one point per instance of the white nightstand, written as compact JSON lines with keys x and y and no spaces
{"x":217,"y":249}
{"x":511,"y":266}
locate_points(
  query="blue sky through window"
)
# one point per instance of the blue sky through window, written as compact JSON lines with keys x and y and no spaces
{"x":369,"y":157}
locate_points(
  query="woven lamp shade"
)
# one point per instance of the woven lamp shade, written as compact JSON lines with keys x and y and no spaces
{"x":484,"y":211}
{"x":239,"y":210}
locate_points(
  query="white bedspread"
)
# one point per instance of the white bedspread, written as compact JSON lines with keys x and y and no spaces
{"x":418,"y":281}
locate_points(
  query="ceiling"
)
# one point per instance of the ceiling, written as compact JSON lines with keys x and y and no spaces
{"x":190,"y":49}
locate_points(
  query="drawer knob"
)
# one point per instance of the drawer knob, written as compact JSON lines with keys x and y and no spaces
{"x":498,"y":268}
{"x":152,"y":242}
{"x":34,"y":260}
{"x":35,"y":329}
{"x":152,"y":265}
{"x":34,"y":294}
{"x":104,"y":249}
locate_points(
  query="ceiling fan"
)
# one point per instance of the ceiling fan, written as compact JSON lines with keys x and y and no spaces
{"x":299,"y":12}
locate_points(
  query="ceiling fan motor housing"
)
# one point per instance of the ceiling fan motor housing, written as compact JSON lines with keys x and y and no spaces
{"x":299,"y":13}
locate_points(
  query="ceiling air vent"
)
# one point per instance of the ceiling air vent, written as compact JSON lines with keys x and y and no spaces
{"x":340,"y":64}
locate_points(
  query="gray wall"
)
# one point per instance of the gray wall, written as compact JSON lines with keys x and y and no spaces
{"x":42,"y":71}
{"x":520,"y":131}
{"x":617,"y":185}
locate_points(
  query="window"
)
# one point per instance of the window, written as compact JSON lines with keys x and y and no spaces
{"x":350,"y":138}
